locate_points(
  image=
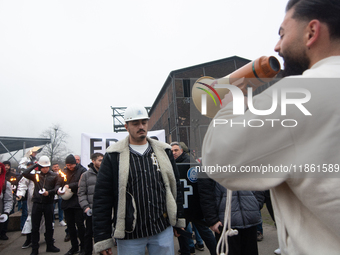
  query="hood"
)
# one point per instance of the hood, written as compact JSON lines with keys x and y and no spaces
{"x":92,"y":169}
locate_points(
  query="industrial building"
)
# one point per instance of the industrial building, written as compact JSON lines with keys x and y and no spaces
{"x":173,"y":110}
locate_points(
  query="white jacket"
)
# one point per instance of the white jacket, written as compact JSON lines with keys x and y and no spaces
{"x":6,"y":199}
{"x":26,"y":185}
{"x":306,"y":209}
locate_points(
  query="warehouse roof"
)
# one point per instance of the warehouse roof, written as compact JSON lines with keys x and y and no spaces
{"x":9,"y":144}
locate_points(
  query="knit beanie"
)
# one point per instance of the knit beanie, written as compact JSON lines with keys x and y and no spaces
{"x":70,"y":159}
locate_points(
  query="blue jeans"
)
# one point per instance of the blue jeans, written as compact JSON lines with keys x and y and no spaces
{"x":24,"y":213}
{"x":206,"y":235}
{"x":259,"y":228}
{"x":197,"y":235}
{"x":162,"y":243}
{"x":19,"y":205}
{"x":60,"y":211}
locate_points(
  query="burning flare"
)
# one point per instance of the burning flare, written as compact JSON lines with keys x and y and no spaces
{"x":63,"y":175}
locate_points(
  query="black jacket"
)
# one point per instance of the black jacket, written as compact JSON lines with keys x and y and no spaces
{"x":108,"y":177}
{"x":191,"y":197}
{"x":73,"y":178}
{"x":47,"y":181}
{"x":183,"y":158}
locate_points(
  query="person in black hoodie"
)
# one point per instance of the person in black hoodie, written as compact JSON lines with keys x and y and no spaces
{"x":45,"y":185}
{"x":192,"y":209}
{"x":72,"y":210}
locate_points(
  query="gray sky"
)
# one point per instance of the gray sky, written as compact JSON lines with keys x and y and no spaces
{"x":66,"y":62}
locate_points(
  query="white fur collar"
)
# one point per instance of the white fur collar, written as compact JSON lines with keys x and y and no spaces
{"x":122,"y":145}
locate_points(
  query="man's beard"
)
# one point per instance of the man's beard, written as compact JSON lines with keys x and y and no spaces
{"x":142,"y":137}
{"x":295,"y":65}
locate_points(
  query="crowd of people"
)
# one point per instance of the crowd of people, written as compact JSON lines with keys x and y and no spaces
{"x":143,"y":192}
{"x":41,"y":186}
{"x":149,"y":194}
{"x":38,"y":189}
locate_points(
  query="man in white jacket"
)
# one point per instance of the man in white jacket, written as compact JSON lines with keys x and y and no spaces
{"x":295,"y":153}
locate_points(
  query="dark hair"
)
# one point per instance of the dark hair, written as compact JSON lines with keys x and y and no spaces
{"x":94,"y":156}
{"x":326,"y":11}
{"x":7,"y":162}
{"x":30,"y":163}
{"x":176,"y":143}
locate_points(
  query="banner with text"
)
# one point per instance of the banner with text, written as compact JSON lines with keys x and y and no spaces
{"x":98,"y":142}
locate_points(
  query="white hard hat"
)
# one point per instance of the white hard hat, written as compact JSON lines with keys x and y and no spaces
{"x":67,"y":195}
{"x":44,"y":161}
{"x":135,"y":112}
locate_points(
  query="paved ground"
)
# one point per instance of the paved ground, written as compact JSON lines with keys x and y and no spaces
{"x":13,"y":245}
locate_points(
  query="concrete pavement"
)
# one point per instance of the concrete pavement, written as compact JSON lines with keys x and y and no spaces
{"x":16,"y":240}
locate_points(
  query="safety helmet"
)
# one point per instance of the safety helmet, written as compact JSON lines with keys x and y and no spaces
{"x":135,"y":112}
{"x":67,"y":195}
{"x":44,"y":161}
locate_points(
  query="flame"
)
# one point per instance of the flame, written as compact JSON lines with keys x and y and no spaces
{"x":37,"y":177}
{"x":63,"y":175}
{"x":12,"y":179}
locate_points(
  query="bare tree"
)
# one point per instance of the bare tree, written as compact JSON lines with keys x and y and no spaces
{"x":57,"y":149}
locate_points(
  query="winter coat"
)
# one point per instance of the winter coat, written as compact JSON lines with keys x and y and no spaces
{"x":26,"y":188}
{"x":183,"y":158}
{"x":87,"y":184}
{"x":111,"y":191}
{"x":73,"y":178}
{"x":245,"y":209}
{"x":6,"y":198}
{"x":47,"y":181}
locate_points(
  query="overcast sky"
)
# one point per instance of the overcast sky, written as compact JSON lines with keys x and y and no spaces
{"x":67,"y":62}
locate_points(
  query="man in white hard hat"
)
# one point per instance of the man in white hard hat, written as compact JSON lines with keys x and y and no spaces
{"x":45,"y":185}
{"x":138,"y":179}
